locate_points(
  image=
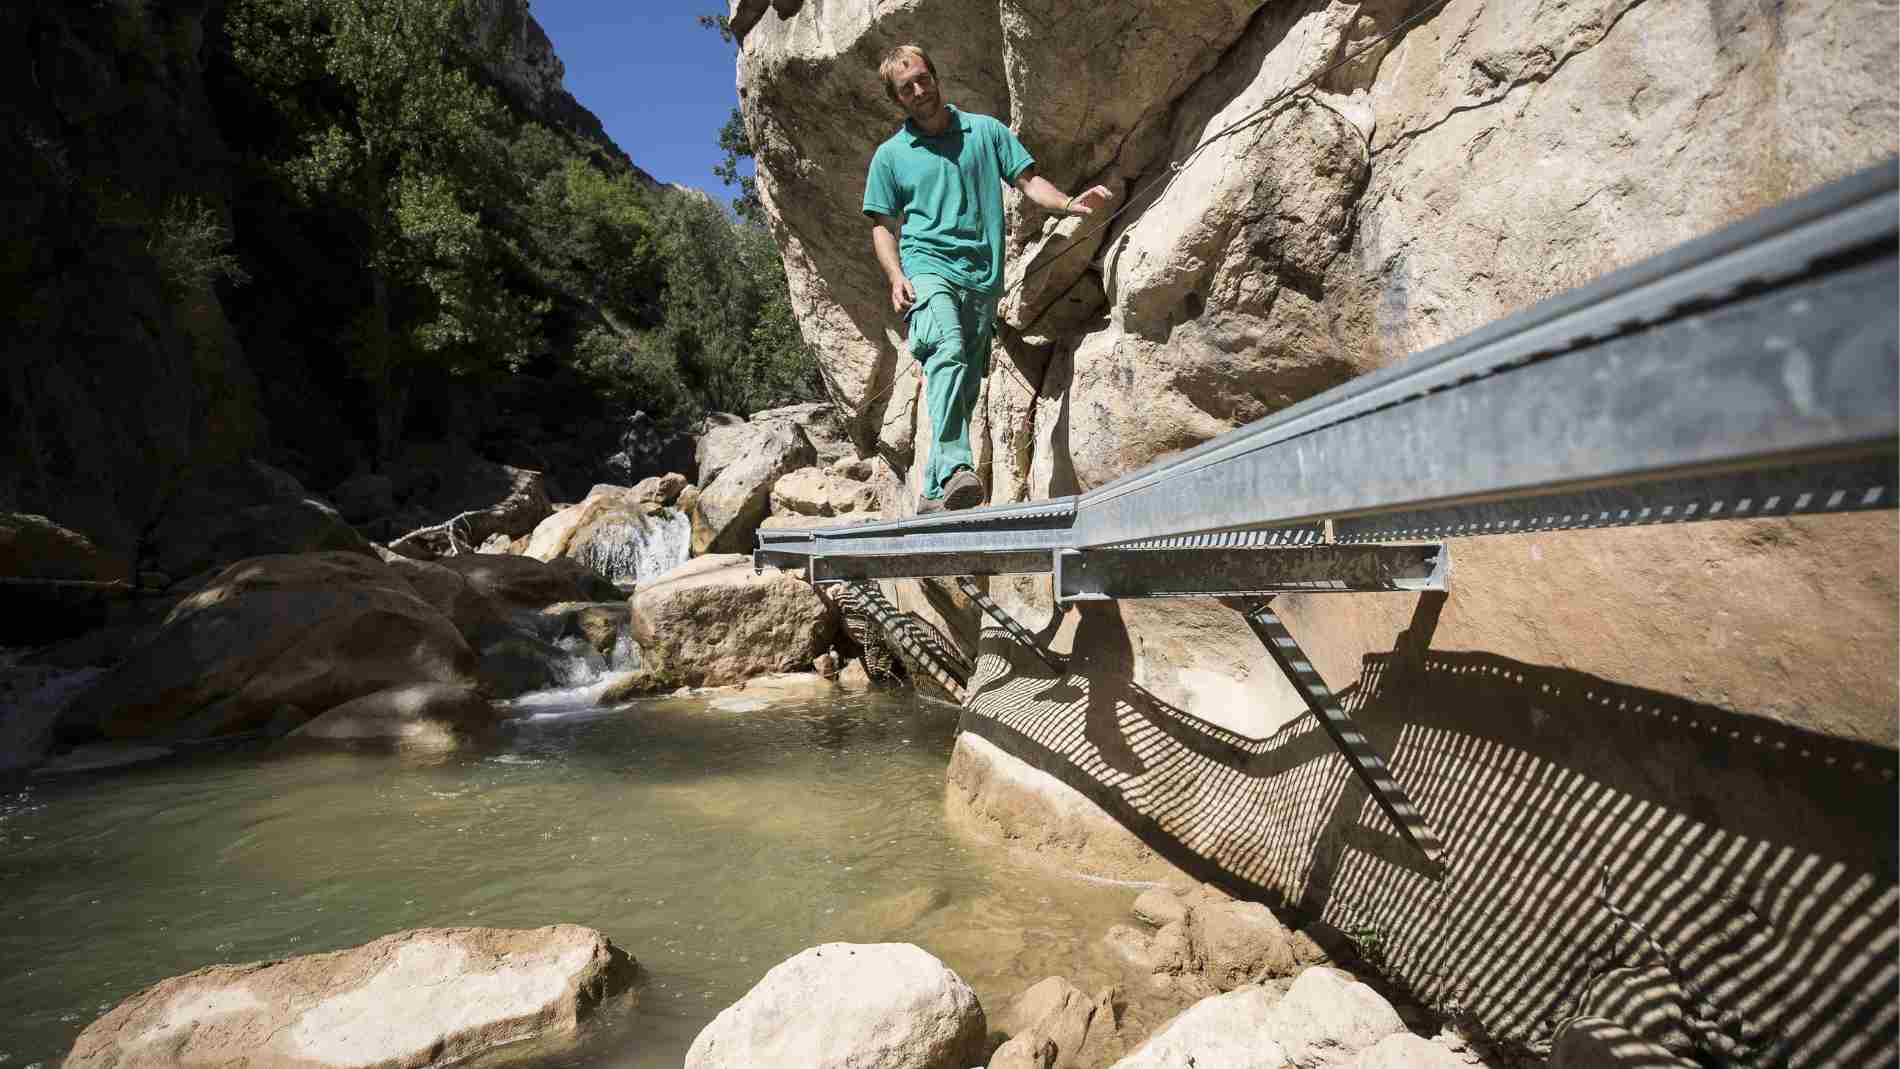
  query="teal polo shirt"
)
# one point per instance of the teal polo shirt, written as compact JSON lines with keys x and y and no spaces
{"x":946,"y":192}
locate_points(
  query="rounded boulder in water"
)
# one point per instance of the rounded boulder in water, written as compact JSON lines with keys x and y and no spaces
{"x":849,"y":1006}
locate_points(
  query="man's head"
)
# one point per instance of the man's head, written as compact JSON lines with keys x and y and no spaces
{"x":911,"y":80}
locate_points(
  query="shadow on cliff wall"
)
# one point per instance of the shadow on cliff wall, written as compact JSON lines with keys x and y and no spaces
{"x":1596,"y":832}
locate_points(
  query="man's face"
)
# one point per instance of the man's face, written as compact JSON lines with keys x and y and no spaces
{"x":916,"y":90}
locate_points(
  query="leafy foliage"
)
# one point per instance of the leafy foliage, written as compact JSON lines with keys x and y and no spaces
{"x":488,"y":245}
{"x":193,"y":248}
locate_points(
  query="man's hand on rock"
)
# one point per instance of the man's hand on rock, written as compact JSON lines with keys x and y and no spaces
{"x":903,"y":294}
{"x":1085,"y":202}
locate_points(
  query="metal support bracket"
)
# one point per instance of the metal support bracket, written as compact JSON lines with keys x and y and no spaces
{"x":1002,"y":617}
{"x":1366,"y":762}
{"x":1102,"y":574}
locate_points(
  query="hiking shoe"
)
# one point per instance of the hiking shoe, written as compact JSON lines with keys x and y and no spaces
{"x":963,"y":491}
{"x":928,"y":505}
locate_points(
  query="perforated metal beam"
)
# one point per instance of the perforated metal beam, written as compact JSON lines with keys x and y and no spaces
{"x":1103,"y":574}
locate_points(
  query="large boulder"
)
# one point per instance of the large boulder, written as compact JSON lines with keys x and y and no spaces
{"x":1324,"y":1020}
{"x":849,"y":1006}
{"x":415,"y":998}
{"x":306,"y":632}
{"x":712,"y":621}
{"x":731,"y":506}
{"x":244,"y":510}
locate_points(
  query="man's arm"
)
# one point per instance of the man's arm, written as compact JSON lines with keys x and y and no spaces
{"x":1043,"y":194}
{"x":885,"y":230}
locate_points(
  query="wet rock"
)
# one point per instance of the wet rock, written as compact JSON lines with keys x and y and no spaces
{"x":311,"y":630}
{"x":32,"y":697}
{"x":849,"y":1006}
{"x":101,"y":756}
{"x":436,"y":715}
{"x":516,"y":661}
{"x":894,"y":913}
{"x":1159,"y":906}
{"x":415,"y":998}
{"x":712,"y":621}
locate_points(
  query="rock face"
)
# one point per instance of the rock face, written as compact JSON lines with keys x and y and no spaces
{"x":849,"y":1006}
{"x":305,"y":632}
{"x":411,"y":999}
{"x":712,"y":622}
{"x":1486,"y":158}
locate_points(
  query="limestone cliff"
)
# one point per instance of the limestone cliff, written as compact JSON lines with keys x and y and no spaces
{"x":515,"y":51}
{"x":1490,"y":156}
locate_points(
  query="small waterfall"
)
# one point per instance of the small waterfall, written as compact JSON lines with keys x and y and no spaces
{"x":628,"y":548}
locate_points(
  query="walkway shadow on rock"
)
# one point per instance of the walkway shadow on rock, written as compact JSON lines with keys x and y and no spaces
{"x":1596,"y":832}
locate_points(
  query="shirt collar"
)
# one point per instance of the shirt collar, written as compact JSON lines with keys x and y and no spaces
{"x":958,"y":121}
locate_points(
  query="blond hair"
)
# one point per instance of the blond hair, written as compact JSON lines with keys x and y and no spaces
{"x":895,"y":58}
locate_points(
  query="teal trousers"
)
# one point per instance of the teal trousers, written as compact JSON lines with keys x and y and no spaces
{"x":950,"y":332}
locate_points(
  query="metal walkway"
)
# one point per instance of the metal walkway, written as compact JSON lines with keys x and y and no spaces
{"x":1753,"y":372}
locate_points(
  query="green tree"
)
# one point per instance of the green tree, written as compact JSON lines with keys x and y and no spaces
{"x":737,"y":146}
{"x":404,"y":155}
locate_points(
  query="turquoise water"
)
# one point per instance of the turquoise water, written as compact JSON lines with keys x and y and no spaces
{"x":711,"y":843}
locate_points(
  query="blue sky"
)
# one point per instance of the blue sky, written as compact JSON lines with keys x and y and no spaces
{"x":661,"y":83}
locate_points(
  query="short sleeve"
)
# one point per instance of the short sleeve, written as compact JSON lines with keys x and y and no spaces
{"x":880,"y":187}
{"x":1015,"y":159}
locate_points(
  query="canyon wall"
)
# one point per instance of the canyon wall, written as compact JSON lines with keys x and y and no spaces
{"x":1664,"y":749}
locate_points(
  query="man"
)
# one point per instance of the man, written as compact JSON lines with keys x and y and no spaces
{"x":935,"y":197}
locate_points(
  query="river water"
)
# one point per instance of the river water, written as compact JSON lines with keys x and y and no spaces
{"x":711,"y":837}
